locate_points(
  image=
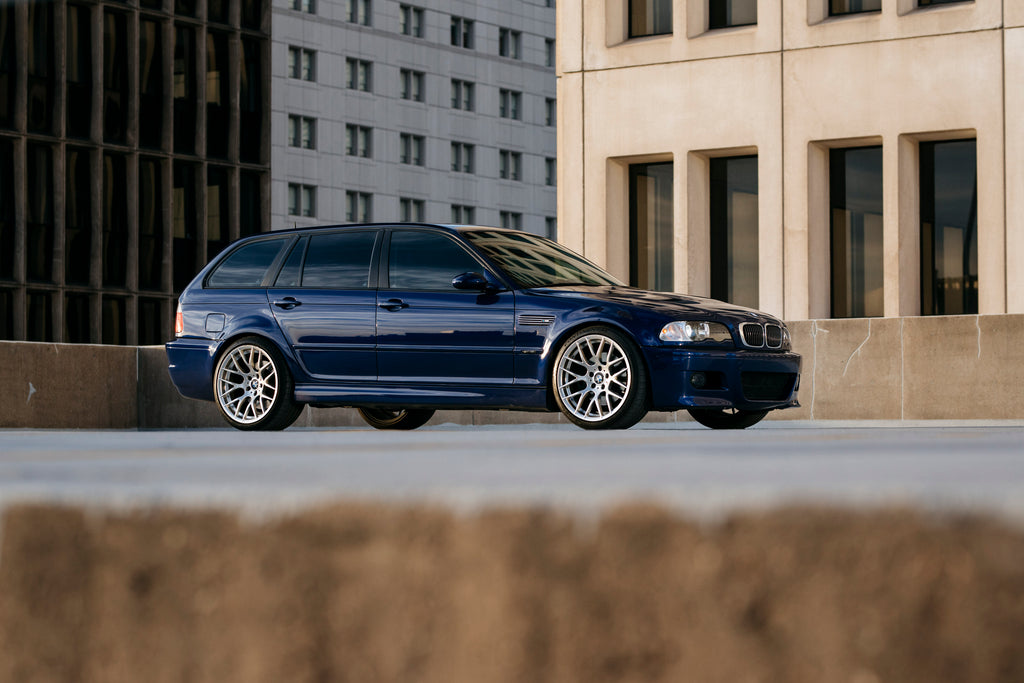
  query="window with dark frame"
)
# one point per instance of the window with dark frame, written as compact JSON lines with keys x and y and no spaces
{"x":949,"y":227}
{"x":151,"y":85}
{"x":462,"y":95}
{"x":462,"y":33}
{"x":651,"y":243}
{"x":462,"y":157}
{"x":734,"y":230}
{"x":838,"y":8}
{"x":855,"y":228}
{"x":359,"y":74}
{"x":510,"y":43}
{"x":412,"y":149}
{"x":510,"y":104}
{"x":411,"y":21}
{"x":358,"y":207}
{"x":358,"y":12}
{"x":412,"y":85}
{"x":731,"y":13}
{"x":79,"y":70}
{"x":358,"y":141}
{"x":650,"y":18}
{"x":412,"y":210}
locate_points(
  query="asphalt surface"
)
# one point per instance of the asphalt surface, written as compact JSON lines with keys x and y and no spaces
{"x":945,"y":466}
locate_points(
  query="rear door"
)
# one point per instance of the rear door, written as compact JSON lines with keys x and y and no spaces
{"x":428,"y":331}
{"x":325,"y":302}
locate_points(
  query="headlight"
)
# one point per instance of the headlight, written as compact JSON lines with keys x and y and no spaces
{"x":695,"y":331}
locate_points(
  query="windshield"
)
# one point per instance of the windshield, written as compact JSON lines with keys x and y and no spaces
{"x":534,"y":261}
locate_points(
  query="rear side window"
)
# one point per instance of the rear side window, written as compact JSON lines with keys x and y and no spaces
{"x":339,"y":260}
{"x":426,"y":261}
{"x":246,"y":266}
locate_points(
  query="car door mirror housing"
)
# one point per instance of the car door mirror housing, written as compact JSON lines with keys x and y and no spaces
{"x":473,"y":282}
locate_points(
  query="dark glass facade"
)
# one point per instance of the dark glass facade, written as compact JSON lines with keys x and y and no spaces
{"x":949,"y":227}
{"x":650,"y":226}
{"x":733,"y":239}
{"x":132,"y":167}
{"x":855,"y":199}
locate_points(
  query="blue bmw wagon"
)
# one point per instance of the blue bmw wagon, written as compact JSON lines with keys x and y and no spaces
{"x":401,"y":320}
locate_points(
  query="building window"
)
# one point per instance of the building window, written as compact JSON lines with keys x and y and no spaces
{"x":733,"y":243}
{"x":650,"y":17}
{"x":462,"y":32}
{"x":301,"y":131}
{"x":301,"y":200}
{"x":78,"y":217}
{"x":650,"y":226}
{"x":250,"y":109}
{"x":151,"y":87}
{"x":7,"y":234}
{"x":307,"y":6}
{"x":184,"y":89}
{"x":411,"y":21}
{"x":549,"y":111}
{"x":301,"y":63}
{"x":38,"y":316}
{"x":510,"y":164}
{"x":549,"y":52}
{"x":42,"y":66}
{"x":358,"y":207}
{"x":184,"y":221}
{"x":510,"y":104}
{"x":115,"y":77}
{"x":412,"y":149}
{"x":412,"y":210}
{"x":359,"y":74}
{"x":251,"y":14}
{"x":838,"y":8}
{"x":218,"y":210}
{"x":855,"y":198}
{"x":358,"y":141}
{"x":39,"y":228}
{"x":510,"y":43}
{"x":218,"y":95}
{"x":463,"y":215}
{"x":551,"y":228}
{"x":77,"y":317}
{"x":151,"y":224}
{"x":728,"y":13}
{"x":358,"y":11}
{"x":115,"y":221}
{"x":930,"y":3}
{"x":511,"y":220}
{"x":462,"y":95}
{"x":412,"y":85}
{"x":79,"y":69}
{"x":462,"y":157}
{"x":949,"y":227}
{"x":550,"y":172}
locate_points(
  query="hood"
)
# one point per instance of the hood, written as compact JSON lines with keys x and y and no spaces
{"x":669,"y":304}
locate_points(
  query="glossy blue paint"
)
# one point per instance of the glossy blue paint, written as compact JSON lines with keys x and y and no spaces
{"x":444,"y":347}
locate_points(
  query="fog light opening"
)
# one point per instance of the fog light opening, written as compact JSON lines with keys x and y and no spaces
{"x":698,"y":380}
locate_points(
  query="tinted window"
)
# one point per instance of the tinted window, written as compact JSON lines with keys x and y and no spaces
{"x":339,"y":261}
{"x":291,"y":271}
{"x":246,"y":266}
{"x":422,"y":260}
{"x":533,"y":261}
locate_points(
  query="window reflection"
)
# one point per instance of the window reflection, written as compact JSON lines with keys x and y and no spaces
{"x":251,"y":101}
{"x":217,"y":211}
{"x":949,"y":227}
{"x":78,"y":217}
{"x":40,"y":67}
{"x":649,"y":17}
{"x":218,"y":93}
{"x":856,"y":231}
{"x":726,"y":13}
{"x":184,"y":89}
{"x":79,"y":72}
{"x":115,"y":77}
{"x":151,"y":84}
{"x":183,"y":211}
{"x":151,"y":224}
{"x":734,"y":247}
{"x":650,"y":226}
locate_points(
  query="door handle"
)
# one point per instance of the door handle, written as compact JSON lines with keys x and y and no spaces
{"x":393,"y":305}
{"x":287,"y":303}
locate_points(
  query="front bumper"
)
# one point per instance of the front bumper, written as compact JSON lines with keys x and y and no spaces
{"x":747,"y":380}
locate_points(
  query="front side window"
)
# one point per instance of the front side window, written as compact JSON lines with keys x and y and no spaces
{"x":734,"y":252}
{"x":841,"y":7}
{"x":949,"y":227}
{"x":426,"y":261}
{"x":855,"y":198}
{"x":650,"y":226}
{"x":649,"y":18}
{"x":247,"y":265}
{"x":728,"y":13}
{"x":339,"y":260}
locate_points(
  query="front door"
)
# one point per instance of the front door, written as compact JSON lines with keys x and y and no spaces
{"x":428,"y":332}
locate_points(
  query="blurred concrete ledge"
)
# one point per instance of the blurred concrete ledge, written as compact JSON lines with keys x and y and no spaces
{"x":927,"y":368}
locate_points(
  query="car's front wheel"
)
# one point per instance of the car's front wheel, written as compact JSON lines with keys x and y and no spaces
{"x":383,"y":418}
{"x":726,"y":418}
{"x":599,"y":380}
{"x":253,"y":387}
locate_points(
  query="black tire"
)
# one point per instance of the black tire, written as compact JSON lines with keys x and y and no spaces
{"x":384,"y":418}
{"x":599,"y":379}
{"x":726,"y":418}
{"x":253,"y":388}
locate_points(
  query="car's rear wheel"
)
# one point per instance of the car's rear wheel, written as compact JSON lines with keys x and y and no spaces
{"x":727,"y":418}
{"x":599,"y":380}
{"x":253,"y":387}
{"x":384,"y":418}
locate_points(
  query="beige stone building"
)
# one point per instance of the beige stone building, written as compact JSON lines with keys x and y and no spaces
{"x":814,"y":158}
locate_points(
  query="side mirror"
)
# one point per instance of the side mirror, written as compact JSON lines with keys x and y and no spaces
{"x":472,"y":282}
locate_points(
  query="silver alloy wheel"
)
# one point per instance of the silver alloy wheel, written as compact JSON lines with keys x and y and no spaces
{"x":247,"y":384}
{"x":593,"y":377}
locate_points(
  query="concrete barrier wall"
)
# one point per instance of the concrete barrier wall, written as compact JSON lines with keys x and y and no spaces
{"x":391,"y":594}
{"x":956,"y":367}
